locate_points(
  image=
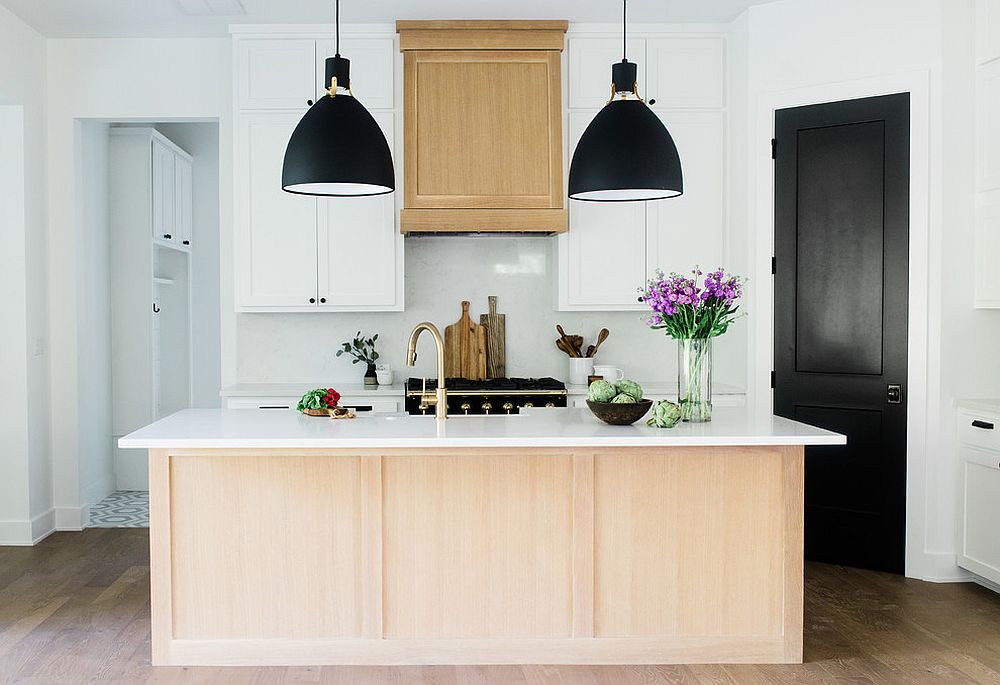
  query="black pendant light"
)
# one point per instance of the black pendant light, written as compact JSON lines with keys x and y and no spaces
{"x":338,"y":148}
{"x":626,"y":153}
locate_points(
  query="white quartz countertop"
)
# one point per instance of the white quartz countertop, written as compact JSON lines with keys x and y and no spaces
{"x":399,"y":389}
{"x":250,"y":428}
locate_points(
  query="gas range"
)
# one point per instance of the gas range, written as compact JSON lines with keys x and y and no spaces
{"x":496,"y":396}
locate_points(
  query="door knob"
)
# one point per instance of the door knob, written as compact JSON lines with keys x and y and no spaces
{"x":894,"y":394}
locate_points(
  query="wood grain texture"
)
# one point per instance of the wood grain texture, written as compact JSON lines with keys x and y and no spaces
{"x":478,"y":546}
{"x":465,"y":348}
{"x":689,"y":542}
{"x":483,"y":220}
{"x":75,"y":608}
{"x":481,"y":35}
{"x":495,"y":555}
{"x":496,"y":340}
{"x":266,"y":547}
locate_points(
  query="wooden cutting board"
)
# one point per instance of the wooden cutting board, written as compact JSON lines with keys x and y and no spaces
{"x":465,"y":348}
{"x":496,"y":340}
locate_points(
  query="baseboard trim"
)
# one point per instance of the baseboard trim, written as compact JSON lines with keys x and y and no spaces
{"x":72,"y":518}
{"x":27,"y":532}
{"x":937,"y":568}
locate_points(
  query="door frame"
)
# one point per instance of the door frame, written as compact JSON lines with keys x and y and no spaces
{"x":923,"y":425}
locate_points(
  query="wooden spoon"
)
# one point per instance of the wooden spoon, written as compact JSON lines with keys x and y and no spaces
{"x":601,"y":337}
{"x":571,"y":349}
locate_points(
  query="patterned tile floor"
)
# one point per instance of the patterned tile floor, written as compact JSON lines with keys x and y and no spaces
{"x":121,"y":509}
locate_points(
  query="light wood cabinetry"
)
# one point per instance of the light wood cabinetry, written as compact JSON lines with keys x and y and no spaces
{"x":483,"y":127}
{"x":611,"y":249}
{"x":299,"y":253}
{"x":476,"y":555}
{"x":979,"y":543}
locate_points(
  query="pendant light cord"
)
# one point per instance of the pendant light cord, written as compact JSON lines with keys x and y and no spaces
{"x":338,"y":27}
{"x":624,"y":29}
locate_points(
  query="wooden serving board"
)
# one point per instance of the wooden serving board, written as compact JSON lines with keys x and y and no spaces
{"x":465,"y":348}
{"x":496,"y":340}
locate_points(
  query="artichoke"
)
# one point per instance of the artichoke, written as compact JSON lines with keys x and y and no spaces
{"x":627,"y":387}
{"x":623,"y":399}
{"x":665,"y":414}
{"x":601,"y":391}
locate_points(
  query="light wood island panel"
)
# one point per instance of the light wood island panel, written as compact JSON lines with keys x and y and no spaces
{"x":484,"y":555}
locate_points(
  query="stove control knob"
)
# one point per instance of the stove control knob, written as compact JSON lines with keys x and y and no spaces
{"x":465,"y":407}
{"x":550,"y":404}
{"x":507,"y":407}
{"x":529,"y":404}
{"x":422,"y":407}
{"x":487,"y":407}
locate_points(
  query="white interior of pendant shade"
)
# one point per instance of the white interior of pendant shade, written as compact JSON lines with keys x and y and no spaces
{"x":625,"y":194}
{"x":338,"y":189}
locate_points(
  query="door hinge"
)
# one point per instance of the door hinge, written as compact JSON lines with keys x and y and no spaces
{"x":773,"y":377}
{"x":774,"y":148}
{"x":774,"y":265}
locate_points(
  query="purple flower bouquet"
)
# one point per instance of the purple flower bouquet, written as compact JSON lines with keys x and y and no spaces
{"x":693,"y":310}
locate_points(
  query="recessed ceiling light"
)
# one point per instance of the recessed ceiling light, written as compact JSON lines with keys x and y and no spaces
{"x":212,"y":7}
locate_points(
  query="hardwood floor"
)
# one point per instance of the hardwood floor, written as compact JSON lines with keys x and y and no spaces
{"x":75,"y":609}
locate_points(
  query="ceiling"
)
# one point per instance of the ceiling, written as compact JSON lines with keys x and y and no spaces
{"x":104,"y":18}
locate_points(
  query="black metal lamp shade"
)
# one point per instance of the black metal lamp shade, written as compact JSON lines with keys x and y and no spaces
{"x":338,"y":148}
{"x":625,"y":154}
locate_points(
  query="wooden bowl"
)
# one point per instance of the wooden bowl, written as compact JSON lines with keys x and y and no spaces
{"x":620,"y":414}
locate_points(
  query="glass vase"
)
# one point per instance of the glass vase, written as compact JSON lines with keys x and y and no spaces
{"x":694,"y":379}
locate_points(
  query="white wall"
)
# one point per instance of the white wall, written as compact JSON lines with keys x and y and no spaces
{"x":25,"y":496}
{"x":93,"y":302}
{"x":201,"y":141}
{"x":110,"y":80}
{"x":813,"y":51}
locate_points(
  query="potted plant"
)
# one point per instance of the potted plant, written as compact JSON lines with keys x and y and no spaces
{"x":363,"y":351}
{"x":693,"y":310}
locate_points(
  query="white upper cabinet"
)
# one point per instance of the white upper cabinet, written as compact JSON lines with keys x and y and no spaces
{"x":276,"y":73}
{"x":372,"y":61}
{"x":603,"y":255}
{"x":988,"y":116}
{"x":688,"y":231}
{"x":590,"y":61}
{"x":361,"y":249}
{"x":988,"y":29}
{"x":988,"y":251}
{"x":183,"y":199}
{"x":276,"y":242}
{"x":686,"y":73}
{"x":164,"y":207}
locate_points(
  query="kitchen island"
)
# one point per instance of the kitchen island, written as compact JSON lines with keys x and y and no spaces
{"x":545,"y":537}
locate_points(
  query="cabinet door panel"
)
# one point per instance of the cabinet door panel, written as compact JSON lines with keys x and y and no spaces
{"x":686,"y":73}
{"x":988,"y":28}
{"x":988,"y":144}
{"x":590,"y":61}
{"x":372,"y":68}
{"x":183,"y":199}
{"x":276,"y":74}
{"x":988,"y":253}
{"x":360,"y":249}
{"x":980,"y":544}
{"x":603,"y":256}
{"x":164,"y":225}
{"x":276,"y":231}
{"x":689,"y":230}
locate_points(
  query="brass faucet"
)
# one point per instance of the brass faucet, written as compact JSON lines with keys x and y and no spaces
{"x":440,"y":398}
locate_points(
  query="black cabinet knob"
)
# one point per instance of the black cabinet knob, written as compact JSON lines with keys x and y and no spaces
{"x":312,"y":300}
{"x":167,"y":236}
{"x":187,"y":242}
{"x":309,"y":102}
{"x":322,"y":300}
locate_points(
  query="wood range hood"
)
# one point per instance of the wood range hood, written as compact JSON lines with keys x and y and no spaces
{"x":482,"y":111}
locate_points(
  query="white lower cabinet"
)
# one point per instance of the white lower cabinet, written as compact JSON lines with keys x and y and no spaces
{"x":979,"y":545}
{"x":611,"y":249}
{"x":300,"y":253}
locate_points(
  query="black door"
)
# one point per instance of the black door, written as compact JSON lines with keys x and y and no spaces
{"x":841,"y":240}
